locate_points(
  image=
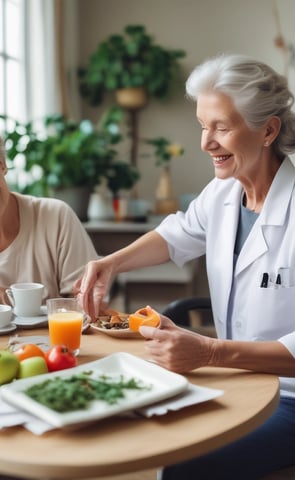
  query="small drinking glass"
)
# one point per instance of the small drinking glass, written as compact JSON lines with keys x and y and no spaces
{"x":65,"y":321}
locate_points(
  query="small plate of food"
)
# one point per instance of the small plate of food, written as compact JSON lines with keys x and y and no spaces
{"x":124,"y":325}
{"x":115,"y":324}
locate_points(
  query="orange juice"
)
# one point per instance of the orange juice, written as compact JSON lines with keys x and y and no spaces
{"x":65,"y":328}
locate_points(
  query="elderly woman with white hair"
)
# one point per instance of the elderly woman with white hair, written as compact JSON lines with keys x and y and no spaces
{"x":244,"y":221}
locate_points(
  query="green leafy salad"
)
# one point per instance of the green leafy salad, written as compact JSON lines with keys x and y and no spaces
{"x":78,"y":391}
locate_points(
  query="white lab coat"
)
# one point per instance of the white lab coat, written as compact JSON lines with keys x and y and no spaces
{"x":209,"y":226}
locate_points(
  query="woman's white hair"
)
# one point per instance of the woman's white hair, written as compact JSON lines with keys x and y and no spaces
{"x":257,"y":91}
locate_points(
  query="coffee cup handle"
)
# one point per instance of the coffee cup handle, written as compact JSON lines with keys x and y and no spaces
{"x":9,"y":293}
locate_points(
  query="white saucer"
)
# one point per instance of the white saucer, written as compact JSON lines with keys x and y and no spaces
{"x":31,"y":322}
{"x":7,"y":329}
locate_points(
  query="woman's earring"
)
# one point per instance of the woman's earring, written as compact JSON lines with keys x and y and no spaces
{"x":266,"y":144}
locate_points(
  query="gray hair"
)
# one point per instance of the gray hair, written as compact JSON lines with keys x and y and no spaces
{"x":257,"y":91}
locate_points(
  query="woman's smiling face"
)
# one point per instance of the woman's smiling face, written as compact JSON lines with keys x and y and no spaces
{"x":236,"y":150}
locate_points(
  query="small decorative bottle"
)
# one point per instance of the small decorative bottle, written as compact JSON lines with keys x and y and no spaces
{"x":166,"y":202}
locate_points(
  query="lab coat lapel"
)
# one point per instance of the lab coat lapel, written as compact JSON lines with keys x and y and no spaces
{"x":230,"y":224}
{"x":272,"y":216}
{"x":254,"y":247}
{"x":221,"y":280}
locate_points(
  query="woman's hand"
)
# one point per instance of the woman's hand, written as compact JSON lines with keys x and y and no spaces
{"x":150,"y":249}
{"x":176,"y":348}
{"x":182,"y":350}
{"x":93,"y":286}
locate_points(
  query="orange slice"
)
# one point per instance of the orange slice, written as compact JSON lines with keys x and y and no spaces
{"x":144,"y":316}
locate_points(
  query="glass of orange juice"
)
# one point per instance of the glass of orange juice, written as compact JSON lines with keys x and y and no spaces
{"x":65,"y":321}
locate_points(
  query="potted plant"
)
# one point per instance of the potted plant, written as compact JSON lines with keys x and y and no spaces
{"x":134,"y":67}
{"x":131,"y":60}
{"x":64,"y":158}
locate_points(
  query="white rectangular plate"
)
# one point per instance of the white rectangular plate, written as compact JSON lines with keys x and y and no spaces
{"x":164,"y":384}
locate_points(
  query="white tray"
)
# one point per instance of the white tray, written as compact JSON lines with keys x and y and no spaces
{"x":164,"y":384}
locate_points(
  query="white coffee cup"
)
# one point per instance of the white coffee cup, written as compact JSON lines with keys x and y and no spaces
{"x":5,"y":315}
{"x":26,"y":298}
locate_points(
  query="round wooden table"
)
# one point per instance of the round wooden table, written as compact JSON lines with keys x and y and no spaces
{"x":121,"y":445}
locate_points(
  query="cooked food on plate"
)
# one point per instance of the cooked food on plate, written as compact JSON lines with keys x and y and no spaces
{"x":118,"y":321}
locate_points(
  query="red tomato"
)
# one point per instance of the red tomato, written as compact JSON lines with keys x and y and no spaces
{"x":28,"y":350}
{"x":60,"y":357}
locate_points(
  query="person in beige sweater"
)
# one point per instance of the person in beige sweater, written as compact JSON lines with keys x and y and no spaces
{"x":41,"y":240}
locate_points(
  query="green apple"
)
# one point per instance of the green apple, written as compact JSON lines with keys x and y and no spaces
{"x":9,"y":365}
{"x":32,"y":366}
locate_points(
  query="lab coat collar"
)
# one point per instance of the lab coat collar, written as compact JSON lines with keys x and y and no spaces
{"x":276,"y":203}
{"x":273,"y":214}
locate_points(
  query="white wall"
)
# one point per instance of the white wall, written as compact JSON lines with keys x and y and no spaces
{"x":202,"y":28}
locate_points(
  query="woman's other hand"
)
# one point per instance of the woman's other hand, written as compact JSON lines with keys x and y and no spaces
{"x":176,"y":348}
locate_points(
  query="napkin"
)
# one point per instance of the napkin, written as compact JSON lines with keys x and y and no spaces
{"x":16,"y":341}
{"x":11,"y":416}
{"x":192,"y":396}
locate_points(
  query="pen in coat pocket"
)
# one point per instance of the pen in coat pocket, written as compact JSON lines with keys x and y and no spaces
{"x":264,"y":281}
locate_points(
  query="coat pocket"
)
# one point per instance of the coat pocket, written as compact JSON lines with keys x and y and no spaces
{"x":272,"y":313}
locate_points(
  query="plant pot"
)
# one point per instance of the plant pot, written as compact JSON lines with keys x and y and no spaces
{"x":76,"y":197}
{"x":131,"y":98}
